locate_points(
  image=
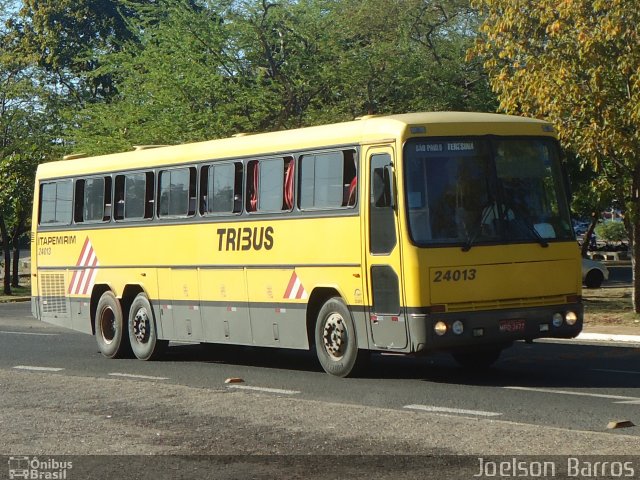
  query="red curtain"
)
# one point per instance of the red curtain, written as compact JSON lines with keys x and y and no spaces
{"x":288,"y":184}
{"x":253,"y":188}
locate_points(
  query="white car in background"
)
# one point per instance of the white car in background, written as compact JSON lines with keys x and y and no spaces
{"x":593,"y":273}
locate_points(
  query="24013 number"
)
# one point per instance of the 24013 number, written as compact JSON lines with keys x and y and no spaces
{"x":463,"y":275}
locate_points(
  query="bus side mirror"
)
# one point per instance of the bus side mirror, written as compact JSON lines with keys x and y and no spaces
{"x":383,"y":192}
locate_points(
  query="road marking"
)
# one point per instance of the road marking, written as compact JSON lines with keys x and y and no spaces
{"x":629,"y":402}
{"x":579,"y":394}
{"x":629,"y":372}
{"x":32,"y":333}
{"x":142,"y":377}
{"x":434,"y":409}
{"x":37,"y":369}
{"x":265,"y":389}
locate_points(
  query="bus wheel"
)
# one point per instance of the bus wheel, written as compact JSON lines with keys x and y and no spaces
{"x":142,"y":330}
{"x":479,"y":359}
{"x":336,"y":343}
{"x":111,"y":331}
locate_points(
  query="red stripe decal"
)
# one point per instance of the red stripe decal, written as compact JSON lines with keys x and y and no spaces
{"x":292,"y":282}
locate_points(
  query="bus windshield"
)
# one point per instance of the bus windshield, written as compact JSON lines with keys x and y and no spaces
{"x":468,"y":191}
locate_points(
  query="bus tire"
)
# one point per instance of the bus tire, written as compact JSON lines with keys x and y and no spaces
{"x":479,"y":359}
{"x":111,"y":329}
{"x":143,"y":334}
{"x":335,"y":340}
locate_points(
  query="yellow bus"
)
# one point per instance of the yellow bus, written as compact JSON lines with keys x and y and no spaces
{"x":406,"y":233}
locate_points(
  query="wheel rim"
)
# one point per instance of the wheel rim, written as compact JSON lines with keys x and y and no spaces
{"x":335,"y":336}
{"x":108,"y":325}
{"x":141,"y":325}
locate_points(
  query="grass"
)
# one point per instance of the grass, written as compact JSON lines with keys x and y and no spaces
{"x":24,"y":290}
{"x":609,"y":306}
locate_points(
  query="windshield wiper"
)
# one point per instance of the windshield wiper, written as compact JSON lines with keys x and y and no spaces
{"x":532,"y":229}
{"x":476,"y":231}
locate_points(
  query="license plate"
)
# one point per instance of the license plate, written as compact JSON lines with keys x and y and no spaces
{"x":512,"y":326}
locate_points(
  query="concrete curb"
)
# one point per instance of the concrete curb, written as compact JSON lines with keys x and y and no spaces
{"x":608,"y":337}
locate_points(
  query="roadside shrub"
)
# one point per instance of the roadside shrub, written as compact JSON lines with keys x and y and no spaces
{"x":611,"y":231}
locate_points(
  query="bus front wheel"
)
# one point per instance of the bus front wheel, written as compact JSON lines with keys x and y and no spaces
{"x":111,"y":330}
{"x":336,"y":342}
{"x":143,"y":334}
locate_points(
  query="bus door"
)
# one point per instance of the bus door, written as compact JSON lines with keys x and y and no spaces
{"x":384,"y":272}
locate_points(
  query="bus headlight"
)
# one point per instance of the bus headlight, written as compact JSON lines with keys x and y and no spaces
{"x":557,"y":320}
{"x":457,"y":327}
{"x":440,"y":328}
{"x":571,"y":318}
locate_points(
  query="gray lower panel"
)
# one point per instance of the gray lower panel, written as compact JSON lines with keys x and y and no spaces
{"x":76,"y":317}
{"x":215,"y":322}
{"x":279,"y":327}
{"x":226,"y":324}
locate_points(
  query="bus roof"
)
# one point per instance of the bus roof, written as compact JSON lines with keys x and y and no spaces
{"x":368,"y":129}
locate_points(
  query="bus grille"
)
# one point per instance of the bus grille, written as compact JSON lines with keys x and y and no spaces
{"x":52,"y":288}
{"x":507,"y":303}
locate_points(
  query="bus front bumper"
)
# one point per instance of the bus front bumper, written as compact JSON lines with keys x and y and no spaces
{"x":460,"y":330}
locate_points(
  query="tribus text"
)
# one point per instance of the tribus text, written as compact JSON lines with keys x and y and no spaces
{"x":246,"y":238}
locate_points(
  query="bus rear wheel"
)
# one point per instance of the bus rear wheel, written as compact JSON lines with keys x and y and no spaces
{"x":336,"y":342}
{"x":143,"y":333}
{"x":478,"y":359}
{"x":110,"y":328}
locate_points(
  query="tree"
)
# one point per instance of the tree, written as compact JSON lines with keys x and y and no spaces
{"x":67,"y":39}
{"x":199,"y":69}
{"x":577,"y":64}
{"x":612,"y":231}
{"x":17,"y":175}
{"x":26,"y":131}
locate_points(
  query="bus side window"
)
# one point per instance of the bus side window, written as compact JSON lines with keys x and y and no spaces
{"x":328,"y":180}
{"x":149,"y":200}
{"x":78,"y":204}
{"x":270,"y":185}
{"x":177,"y":192}
{"x":107,"y":199}
{"x":350,"y":179}
{"x":134,"y":196}
{"x":56,"y":203}
{"x":119,"y":198}
{"x":93,"y":200}
{"x":221,"y":188}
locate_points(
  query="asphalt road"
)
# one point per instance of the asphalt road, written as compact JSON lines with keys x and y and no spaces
{"x":543,"y":398}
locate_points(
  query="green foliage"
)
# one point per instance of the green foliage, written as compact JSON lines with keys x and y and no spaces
{"x":611,"y":231}
{"x":200,"y":70}
{"x":67,"y":38}
{"x":574,"y":62}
